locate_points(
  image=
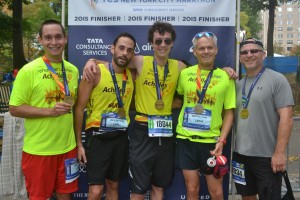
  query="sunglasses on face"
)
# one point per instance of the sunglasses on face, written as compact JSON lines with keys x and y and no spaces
{"x":167,"y":41}
{"x":201,"y":34}
{"x":252,"y":51}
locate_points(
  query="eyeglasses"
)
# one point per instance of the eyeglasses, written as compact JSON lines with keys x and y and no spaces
{"x":167,"y":41}
{"x":252,"y":51}
{"x":201,"y":34}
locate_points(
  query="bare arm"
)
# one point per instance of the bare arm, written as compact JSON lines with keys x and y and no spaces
{"x":90,"y":68}
{"x":284,"y":131}
{"x":27,"y":111}
{"x":84,"y":90}
{"x":181,"y":66}
{"x":226,"y":127}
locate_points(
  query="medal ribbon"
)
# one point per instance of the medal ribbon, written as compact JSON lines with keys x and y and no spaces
{"x":201,"y":94}
{"x":245,"y":99}
{"x":159,"y":91}
{"x":113,"y":76}
{"x":63,"y":87}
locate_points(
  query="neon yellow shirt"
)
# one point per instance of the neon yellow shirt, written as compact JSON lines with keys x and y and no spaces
{"x":220,"y":95}
{"x":103,"y":98}
{"x":146,"y":96}
{"x":35,"y":86}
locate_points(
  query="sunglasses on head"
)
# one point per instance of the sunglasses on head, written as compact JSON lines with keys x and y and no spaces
{"x":167,"y":41}
{"x":207,"y":34}
{"x":252,"y":51}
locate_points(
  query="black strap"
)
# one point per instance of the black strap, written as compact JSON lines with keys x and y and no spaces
{"x":289,"y":194}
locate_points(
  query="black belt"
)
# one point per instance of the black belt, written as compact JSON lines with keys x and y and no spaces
{"x":201,"y":138}
{"x":142,"y":114}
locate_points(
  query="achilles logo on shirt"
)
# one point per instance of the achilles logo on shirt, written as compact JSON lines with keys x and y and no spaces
{"x":152,"y":83}
{"x":113,"y":105}
{"x":110,"y":89}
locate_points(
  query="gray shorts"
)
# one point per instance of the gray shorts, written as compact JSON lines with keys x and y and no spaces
{"x":150,"y":162}
{"x":106,"y":158}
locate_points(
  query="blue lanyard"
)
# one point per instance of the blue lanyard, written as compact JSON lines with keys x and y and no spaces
{"x":113,"y":76}
{"x":203,"y":92}
{"x":67,"y":90}
{"x":166,"y":71}
{"x":246,"y":99}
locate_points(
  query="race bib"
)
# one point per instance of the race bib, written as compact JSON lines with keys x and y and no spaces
{"x":238,"y":173}
{"x":160,"y":126}
{"x":196,"y":122}
{"x":71,"y":169}
{"x":112,"y":122}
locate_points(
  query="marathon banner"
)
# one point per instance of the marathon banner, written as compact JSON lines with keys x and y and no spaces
{"x":94,"y":24}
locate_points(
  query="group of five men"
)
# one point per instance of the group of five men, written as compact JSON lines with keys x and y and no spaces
{"x":206,"y":95}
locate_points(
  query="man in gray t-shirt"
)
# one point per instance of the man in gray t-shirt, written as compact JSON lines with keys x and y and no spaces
{"x":263,"y":125}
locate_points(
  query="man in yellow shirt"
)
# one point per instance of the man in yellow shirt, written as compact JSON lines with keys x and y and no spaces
{"x":107,"y":100}
{"x":44,"y":93}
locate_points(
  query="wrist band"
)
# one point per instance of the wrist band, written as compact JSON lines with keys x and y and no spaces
{"x":92,"y":59}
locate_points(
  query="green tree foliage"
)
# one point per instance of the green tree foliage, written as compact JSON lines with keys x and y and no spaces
{"x":250,"y":20}
{"x":35,"y":14}
{"x":11,"y":29}
{"x":278,"y":49}
{"x":5,"y":42}
{"x":21,"y":27}
{"x":295,"y":51}
{"x":18,"y":51}
{"x":270,"y":5}
{"x":244,"y":19}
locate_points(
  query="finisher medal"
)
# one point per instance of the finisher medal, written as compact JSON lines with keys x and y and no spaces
{"x":159,"y":104}
{"x":121,"y":112}
{"x":199,"y":108}
{"x":244,"y":113}
{"x":69,"y":100}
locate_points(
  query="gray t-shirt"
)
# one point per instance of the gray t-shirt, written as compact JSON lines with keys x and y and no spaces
{"x":256,"y":135}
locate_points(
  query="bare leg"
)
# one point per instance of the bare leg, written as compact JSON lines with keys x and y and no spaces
{"x":156,"y":193}
{"x":95,"y":192}
{"x":215,"y":187}
{"x":249,"y":197}
{"x":192,"y":183}
{"x":112,"y":190}
{"x":60,"y":196}
{"x":137,"y":196}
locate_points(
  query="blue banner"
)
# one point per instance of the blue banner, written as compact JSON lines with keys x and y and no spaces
{"x":94,"y":24}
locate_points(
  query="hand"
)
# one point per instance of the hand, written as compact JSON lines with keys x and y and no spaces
{"x":60,"y":108}
{"x":231,"y":73}
{"x":89,"y":70}
{"x":218,"y":149}
{"x":81,"y":155}
{"x":278,"y":162}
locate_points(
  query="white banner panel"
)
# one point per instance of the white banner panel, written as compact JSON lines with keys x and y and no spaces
{"x":146,"y":12}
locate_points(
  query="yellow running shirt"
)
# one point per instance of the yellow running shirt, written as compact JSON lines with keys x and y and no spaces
{"x":103,"y":98}
{"x":146,"y":96}
{"x":35,"y":86}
